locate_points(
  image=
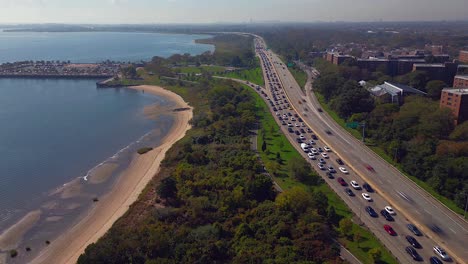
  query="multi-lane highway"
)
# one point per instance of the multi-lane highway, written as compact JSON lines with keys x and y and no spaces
{"x":438,"y":224}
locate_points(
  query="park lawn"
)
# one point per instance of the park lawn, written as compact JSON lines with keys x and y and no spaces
{"x":300,"y":76}
{"x":254,"y":75}
{"x":200,"y":69}
{"x":379,"y":151}
{"x":274,"y":139}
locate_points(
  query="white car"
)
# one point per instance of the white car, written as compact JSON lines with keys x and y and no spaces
{"x":324,"y":155}
{"x":314,"y":151}
{"x":290,"y":125}
{"x":297,"y":125}
{"x":441,"y":252}
{"x":389,"y":210}
{"x":355,"y":185}
{"x":366,"y":197}
{"x":320,"y":165}
{"x":327,"y":149}
{"x":343,"y":170}
{"x":311,"y":156}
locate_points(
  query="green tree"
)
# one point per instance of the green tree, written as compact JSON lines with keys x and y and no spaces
{"x":167,"y":188}
{"x":434,"y":89}
{"x":299,"y":168}
{"x":346,"y":226}
{"x":296,"y":200}
{"x":460,"y":132}
{"x":375,"y":254}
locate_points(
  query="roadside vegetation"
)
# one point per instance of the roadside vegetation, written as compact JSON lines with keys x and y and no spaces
{"x":253,"y":75}
{"x":417,"y":137}
{"x":299,"y":75}
{"x":279,"y":166}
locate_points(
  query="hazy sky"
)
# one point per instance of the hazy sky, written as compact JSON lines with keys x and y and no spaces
{"x":202,"y":11}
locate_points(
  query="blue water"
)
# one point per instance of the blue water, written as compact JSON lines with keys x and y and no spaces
{"x":55,"y":130}
{"x":96,"y":46}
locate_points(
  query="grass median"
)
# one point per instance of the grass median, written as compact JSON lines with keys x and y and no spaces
{"x":276,"y":141}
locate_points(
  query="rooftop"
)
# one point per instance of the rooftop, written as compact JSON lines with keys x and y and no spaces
{"x":435,"y":65}
{"x":394,"y":89}
{"x":456,"y":90}
{"x":463,"y":77}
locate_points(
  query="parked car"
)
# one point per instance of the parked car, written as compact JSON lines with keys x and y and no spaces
{"x":413,"y":253}
{"x":324,"y":155}
{"x":339,"y":161}
{"x":389,"y":230}
{"x":349,"y":192}
{"x":371,"y":211}
{"x":367,"y":187}
{"x":441,"y":253}
{"x":414,"y":229}
{"x":342,"y":181}
{"x":320,"y":165}
{"x":366,"y":197}
{"x":327,"y":149}
{"x":435,"y":260}
{"x":413,"y":241}
{"x":390,"y":210}
{"x":330,"y":175}
{"x":386,"y":215}
{"x":355,"y":185}
{"x":343,"y":170}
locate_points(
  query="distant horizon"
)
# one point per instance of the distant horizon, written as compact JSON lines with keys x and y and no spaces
{"x":229,"y":23}
{"x":224,"y":11}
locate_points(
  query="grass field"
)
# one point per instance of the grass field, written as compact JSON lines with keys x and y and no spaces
{"x":254,"y":75}
{"x":357,"y":134}
{"x":211,"y":69}
{"x":277,"y":142}
{"x":299,"y":75}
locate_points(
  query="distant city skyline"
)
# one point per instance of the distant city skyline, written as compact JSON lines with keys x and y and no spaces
{"x":216,"y":11}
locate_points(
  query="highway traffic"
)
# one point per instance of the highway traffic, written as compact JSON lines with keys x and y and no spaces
{"x":374,"y":190}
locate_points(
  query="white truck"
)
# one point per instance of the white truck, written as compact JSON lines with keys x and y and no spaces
{"x":305,"y":147}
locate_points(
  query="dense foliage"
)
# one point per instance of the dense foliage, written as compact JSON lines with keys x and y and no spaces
{"x":419,"y":134}
{"x":215,"y":204}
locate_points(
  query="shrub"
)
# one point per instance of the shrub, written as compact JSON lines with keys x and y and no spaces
{"x":144,"y":150}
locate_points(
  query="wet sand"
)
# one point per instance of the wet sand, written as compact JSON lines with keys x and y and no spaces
{"x":70,"y":245}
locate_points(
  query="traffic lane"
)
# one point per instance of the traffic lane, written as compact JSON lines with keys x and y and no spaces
{"x":426,"y":208}
{"x":291,"y":98}
{"x":395,"y":245}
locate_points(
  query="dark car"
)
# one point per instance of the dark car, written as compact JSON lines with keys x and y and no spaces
{"x":309,"y":130}
{"x":283,"y":123}
{"x":297,"y":132}
{"x":342,"y":182}
{"x":413,"y":241}
{"x":371,"y":211}
{"x":302,"y":131}
{"x":290,"y":130}
{"x":339,"y":161}
{"x":314,"y":137}
{"x":330,"y":175}
{"x":414,"y":229}
{"x":349,"y":192}
{"x":300,"y":120}
{"x":367,"y":187}
{"x":319,"y":109}
{"x":328,"y":132}
{"x":386,"y":215}
{"x":298,"y":140}
{"x":435,"y":260}
{"x":413,"y":253}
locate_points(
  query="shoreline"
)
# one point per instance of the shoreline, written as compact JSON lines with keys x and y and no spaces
{"x":69,"y":246}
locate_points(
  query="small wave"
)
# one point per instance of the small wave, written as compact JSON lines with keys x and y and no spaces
{"x":115,"y":156}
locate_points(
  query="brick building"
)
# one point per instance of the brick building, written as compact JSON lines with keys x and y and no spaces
{"x":460,"y":81}
{"x":456,"y":99}
{"x":463,"y":57}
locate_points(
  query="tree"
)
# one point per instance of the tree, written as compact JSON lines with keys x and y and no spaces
{"x":357,"y":237}
{"x":375,"y":254}
{"x":332,"y":217}
{"x":167,"y":188}
{"x":434,"y":89}
{"x":346,"y":226}
{"x":460,"y":133}
{"x":299,"y":169}
{"x":296,"y":200}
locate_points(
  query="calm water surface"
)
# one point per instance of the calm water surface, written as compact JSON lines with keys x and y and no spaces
{"x":96,"y":46}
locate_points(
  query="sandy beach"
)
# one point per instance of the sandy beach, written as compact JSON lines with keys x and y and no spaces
{"x":70,"y":245}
